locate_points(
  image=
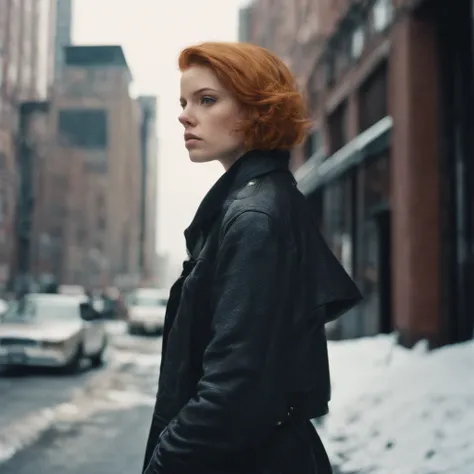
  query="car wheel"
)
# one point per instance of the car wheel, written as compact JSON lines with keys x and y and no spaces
{"x":132,"y":330}
{"x":74,"y":365}
{"x":98,"y":359}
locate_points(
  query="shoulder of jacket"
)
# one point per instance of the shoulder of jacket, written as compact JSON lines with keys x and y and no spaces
{"x":249,"y":210}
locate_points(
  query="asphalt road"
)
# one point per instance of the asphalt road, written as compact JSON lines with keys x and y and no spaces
{"x":111,"y":442}
{"x":101,"y":417}
{"x":27,"y":392}
{"x":103,"y":428}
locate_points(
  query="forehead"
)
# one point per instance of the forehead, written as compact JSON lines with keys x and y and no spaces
{"x":199,"y":77}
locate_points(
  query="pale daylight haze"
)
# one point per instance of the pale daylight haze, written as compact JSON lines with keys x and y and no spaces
{"x":152,"y":34}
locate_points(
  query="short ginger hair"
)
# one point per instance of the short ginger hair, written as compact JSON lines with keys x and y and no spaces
{"x":275,"y":111}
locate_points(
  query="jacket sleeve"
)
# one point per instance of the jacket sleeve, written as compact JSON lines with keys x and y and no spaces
{"x":239,"y":396}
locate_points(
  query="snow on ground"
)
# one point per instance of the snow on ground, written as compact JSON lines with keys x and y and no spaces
{"x":26,"y":431}
{"x":393,"y":411}
{"x":398,"y":411}
{"x":128,"y":380}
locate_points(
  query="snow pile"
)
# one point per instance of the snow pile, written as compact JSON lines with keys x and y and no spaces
{"x":24,"y":432}
{"x":144,"y":361}
{"x":113,"y":388}
{"x":396,"y":411}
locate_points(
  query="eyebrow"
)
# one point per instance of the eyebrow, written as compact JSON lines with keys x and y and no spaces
{"x":199,"y":91}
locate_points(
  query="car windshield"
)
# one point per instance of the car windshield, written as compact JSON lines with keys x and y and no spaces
{"x":42,"y":309}
{"x":149,"y":300}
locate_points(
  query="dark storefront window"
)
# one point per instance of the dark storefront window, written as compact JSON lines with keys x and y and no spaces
{"x":338,"y":225}
{"x":338,"y":222}
{"x":312,"y":144}
{"x":338,"y":127}
{"x":373,"y":96}
{"x":374,"y":247}
{"x":456,"y":79}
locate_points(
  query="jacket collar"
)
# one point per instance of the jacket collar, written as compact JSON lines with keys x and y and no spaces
{"x":253,"y":164}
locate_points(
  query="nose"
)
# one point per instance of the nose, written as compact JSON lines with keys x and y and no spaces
{"x":186,"y":118}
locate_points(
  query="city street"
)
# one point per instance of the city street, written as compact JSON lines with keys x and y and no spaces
{"x":96,"y":422}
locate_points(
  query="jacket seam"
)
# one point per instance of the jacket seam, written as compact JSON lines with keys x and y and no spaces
{"x":225,"y":226}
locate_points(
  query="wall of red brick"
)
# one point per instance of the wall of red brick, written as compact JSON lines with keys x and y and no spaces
{"x":295,"y":29}
{"x":410,"y":48}
{"x":415,"y":180}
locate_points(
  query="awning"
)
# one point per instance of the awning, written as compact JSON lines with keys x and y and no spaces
{"x":318,"y":171}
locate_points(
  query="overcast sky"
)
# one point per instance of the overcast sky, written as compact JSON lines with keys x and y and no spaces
{"x":152,"y":33}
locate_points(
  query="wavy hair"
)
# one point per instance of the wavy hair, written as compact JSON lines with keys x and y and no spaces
{"x":276,"y":114}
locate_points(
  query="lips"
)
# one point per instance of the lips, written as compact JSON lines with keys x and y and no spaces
{"x":190,"y":136}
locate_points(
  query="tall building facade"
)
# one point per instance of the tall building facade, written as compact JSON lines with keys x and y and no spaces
{"x":23,"y":26}
{"x":388,"y":165}
{"x":88,"y":217}
{"x":245,"y":23}
{"x":44,"y":51}
{"x":63,"y":34}
{"x":148,"y":188}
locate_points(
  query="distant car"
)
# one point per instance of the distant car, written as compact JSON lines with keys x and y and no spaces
{"x":146,"y":310}
{"x":71,"y":290}
{"x":3,"y":306}
{"x":51,"y":330}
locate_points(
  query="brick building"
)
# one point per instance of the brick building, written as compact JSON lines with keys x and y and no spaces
{"x":148,"y":188}
{"x":63,"y":36}
{"x":25,"y":51}
{"x":88,"y":207}
{"x":388,"y":166}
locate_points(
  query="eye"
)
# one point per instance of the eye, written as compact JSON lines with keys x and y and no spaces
{"x":208,"y":100}
{"x":182,"y":104}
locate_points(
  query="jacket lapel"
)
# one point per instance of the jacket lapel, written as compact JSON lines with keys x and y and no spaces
{"x":254,"y":164}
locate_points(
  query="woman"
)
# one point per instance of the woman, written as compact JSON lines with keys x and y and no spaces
{"x":244,"y":363}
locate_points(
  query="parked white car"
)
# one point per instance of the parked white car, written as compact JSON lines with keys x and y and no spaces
{"x":146,"y":310}
{"x":51,"y":330}
{"x":3,"y":306}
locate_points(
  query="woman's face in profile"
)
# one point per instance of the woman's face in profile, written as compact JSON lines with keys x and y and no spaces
{"x":210,"y":118}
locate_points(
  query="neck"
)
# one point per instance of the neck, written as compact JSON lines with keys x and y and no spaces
{"x":231,"y":158}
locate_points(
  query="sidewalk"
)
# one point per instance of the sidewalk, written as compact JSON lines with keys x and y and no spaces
{"x":396,"y":411}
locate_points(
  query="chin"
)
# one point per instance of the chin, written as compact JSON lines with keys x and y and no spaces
{"x":197,"y":157}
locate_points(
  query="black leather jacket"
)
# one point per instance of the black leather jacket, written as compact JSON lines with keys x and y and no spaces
{"x":244,"y":335}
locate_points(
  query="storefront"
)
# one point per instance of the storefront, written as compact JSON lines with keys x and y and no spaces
{"x":455,"y":39}
{"x":395,"y":196}
{"x":350,"y":193}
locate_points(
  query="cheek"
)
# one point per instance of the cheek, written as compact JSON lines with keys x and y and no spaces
{"x":227,"y":124}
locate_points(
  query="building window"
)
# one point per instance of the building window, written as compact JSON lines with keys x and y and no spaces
{"x":330,"y":71}
{"x":101,"y":223}
{"x":100,"y":201}
{"x":373,"y":97}
{"x":373,"y":249}
{"x":84,"y":128}
{"x":312,"y":144}
{"x":2,"y":209}
{"x":80,"y":235}
{"x":312,"y":88}
{"x":343,"y":55}
{"x":339,"y":220}
{"x":382,"y":14}
{"x":338,"y":127}
{"x":358,"y":42}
